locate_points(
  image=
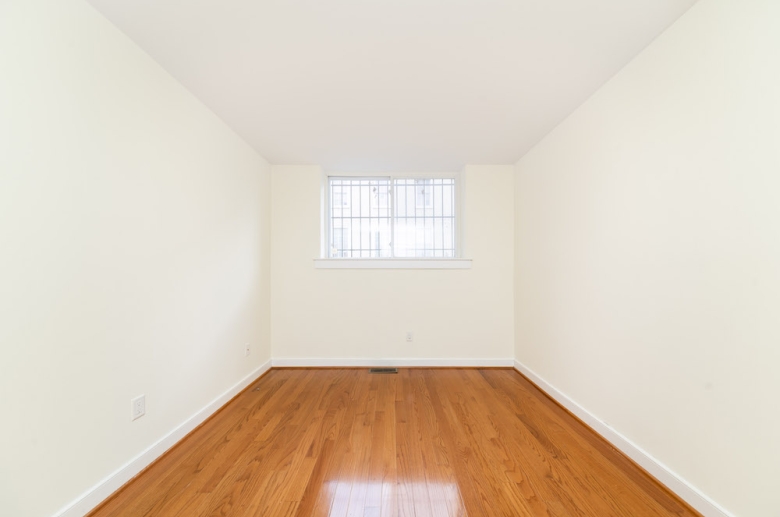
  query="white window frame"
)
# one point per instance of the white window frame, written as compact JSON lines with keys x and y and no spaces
{"x":327,"y":262}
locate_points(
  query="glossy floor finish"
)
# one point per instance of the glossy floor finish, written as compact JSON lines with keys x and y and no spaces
{"x":424,"y":442}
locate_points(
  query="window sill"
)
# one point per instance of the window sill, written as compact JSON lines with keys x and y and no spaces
{"x":392,"y":263}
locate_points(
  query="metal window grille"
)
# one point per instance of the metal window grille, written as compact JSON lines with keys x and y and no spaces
{"x":391,"y":217}
{"x":360,"y":218}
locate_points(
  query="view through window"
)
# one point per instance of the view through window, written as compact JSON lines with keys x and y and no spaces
{"x":383,"y":217}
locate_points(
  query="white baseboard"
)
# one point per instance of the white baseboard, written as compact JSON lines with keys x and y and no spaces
{"x":297,"y":362}
{"x":661,"y":472}
{"x":98,"y":493}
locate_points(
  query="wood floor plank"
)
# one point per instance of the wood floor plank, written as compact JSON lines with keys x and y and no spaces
{"x":577,"y":475}
{"x":590,"y":458}
{"x":472,"y":427}
{"x":421,"y":443}
{"x":473,"y":495}
{"x":446,"y":499}
{"x":317,"y":496}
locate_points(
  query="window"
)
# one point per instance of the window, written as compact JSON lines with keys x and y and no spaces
{"x":385,"y":217}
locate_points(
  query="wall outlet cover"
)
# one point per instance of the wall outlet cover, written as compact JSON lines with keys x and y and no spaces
{"x":138,"y":407}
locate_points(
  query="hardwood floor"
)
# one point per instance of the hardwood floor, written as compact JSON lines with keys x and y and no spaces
{"x":424,"y":442}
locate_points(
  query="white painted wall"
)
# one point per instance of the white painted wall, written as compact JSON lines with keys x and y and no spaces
{"x":134,"y":234}
{"x":648,"y":253}
{"x":364,"y":314}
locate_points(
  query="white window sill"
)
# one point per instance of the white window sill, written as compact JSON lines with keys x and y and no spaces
{"x":397,"y":263}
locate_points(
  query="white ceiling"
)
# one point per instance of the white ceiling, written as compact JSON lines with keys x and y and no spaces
{"x":392,"y":85}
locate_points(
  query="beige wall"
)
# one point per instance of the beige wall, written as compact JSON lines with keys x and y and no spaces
{"x":134,"y":233}
{"x":359,"y":313}
{"x":648,"y":253}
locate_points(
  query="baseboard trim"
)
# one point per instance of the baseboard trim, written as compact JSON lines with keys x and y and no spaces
{"x":294,"y":362}
{"x":666,"y":476}
{"x":90,"y":499}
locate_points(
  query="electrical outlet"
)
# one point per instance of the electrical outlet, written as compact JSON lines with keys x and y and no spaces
{"x":138,"y":407}
{"x":409,"y":336}
{"x":246,"y":350}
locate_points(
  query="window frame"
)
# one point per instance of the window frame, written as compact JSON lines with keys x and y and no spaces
{"x":325,"y":261}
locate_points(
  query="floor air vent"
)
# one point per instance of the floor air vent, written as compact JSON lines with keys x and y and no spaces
{"x":383,"y":370}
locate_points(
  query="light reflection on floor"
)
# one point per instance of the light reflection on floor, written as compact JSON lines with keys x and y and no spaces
{"x":424,"y":498}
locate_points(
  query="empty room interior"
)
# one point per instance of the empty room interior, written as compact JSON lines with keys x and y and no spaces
{"x":432,"y":258}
